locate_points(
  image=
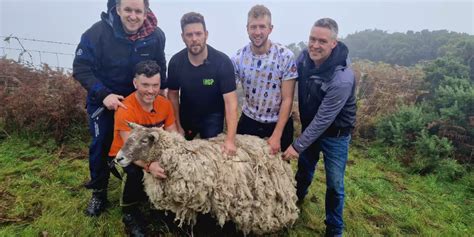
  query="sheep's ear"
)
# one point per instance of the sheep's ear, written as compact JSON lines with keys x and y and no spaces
{"x":133,"y":125}
{"x":156,"y":135}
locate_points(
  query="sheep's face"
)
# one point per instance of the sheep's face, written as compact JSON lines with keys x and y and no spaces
{"x":138,"y":145}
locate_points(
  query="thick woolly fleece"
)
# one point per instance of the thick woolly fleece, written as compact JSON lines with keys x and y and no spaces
{"x":253,"y":189}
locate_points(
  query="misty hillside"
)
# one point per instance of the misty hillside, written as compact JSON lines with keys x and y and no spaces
{"x":410,"y":170}
{"x":405,"y":49}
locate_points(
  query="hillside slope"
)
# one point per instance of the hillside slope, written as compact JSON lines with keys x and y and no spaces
{"x":42,"y":195}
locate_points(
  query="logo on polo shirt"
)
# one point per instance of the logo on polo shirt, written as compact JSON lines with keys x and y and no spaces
{"x":207,"y":82}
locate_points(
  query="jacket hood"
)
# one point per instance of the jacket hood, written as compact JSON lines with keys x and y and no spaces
{"x":109,"y":16}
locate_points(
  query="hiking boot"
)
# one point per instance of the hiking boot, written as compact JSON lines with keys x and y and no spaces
{"x":97,"y":204}
{"x":134,"y":225}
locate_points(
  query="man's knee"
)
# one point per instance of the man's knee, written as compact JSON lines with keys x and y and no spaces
{"x":133,"y":171}
{"x":335,"y":183}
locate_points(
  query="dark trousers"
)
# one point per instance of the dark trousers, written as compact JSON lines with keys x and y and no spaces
{"x":206,"y":126}
{"x":251,"y":127}
{"x":101,"y":128}
{"x":133,"y":191}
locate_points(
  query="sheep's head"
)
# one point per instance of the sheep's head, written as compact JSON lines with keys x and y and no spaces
{"x":138,"y":145}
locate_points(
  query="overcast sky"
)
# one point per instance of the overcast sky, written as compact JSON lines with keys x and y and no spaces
{"x":66,"y":20}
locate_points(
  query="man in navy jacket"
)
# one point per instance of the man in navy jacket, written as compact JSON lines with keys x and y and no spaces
{"x":104,"y":62}
{"x":327,"y":104}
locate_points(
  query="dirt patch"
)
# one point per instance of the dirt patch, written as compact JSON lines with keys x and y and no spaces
{"x":380,"y":220}
{"x":314,"y":199}
{"x":72,"y":153}
{"x":350,"y":162}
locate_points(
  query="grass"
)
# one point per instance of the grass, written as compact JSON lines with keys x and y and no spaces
{"x":41,"y":194}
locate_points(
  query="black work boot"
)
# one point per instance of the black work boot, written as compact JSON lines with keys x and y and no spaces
{"x":97,"y":204}
{"x":133,"y":221}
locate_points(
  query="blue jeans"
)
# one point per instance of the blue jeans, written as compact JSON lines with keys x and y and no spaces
{"x":335,"y":153}
{"x":207,"y":126}
{"x":101,"y":128}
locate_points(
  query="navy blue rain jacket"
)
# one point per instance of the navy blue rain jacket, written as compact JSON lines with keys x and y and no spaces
{"x":105,"y":58}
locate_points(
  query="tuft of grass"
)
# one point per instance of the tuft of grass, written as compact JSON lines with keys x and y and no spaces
{"x":42,"y":194}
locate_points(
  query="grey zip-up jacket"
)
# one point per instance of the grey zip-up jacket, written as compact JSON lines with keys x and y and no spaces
{"x":326,"y":96}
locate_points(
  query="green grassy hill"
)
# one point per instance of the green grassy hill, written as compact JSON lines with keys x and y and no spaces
{"x":42,"y":195}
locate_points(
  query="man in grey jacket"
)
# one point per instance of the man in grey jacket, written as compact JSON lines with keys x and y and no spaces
{"x":327,"y":105}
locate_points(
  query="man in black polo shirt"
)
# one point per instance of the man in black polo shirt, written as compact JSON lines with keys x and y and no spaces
{"x":202,"y":87}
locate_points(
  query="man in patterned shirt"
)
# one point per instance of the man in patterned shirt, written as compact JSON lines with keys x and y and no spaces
{"x":267,"y":72}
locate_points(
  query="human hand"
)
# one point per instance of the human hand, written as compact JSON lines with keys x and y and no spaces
{"x":290,"y":154}
{"x":113,"y":101}
{"x":229,"y":147}
{"x":274,"y":143}
{"x":181,"y":130}
{"x":156,"y":170}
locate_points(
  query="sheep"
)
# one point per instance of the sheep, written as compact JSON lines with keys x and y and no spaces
{"x":253,"y":189}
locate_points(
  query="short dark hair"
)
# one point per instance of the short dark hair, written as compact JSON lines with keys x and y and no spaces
{"x":146,"y":2}
{"x":148,"y":68}
{"x":190,"y":18}
{"x":330,"y":24}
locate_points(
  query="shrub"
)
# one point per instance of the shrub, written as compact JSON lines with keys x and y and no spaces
{"x":450,"y":170}
{"x":434,"y":155}
{"x":433,"y":147}
{"x":380,"y":89}
{"x":437,"y":70}
{"x":403,"y":127}
{"x":43,"y":102}
{"x":455,"y":100}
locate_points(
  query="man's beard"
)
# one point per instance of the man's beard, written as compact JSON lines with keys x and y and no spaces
{"x":199,"y":51}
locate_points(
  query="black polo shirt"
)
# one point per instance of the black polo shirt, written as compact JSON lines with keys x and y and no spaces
{"x":201,"y":87}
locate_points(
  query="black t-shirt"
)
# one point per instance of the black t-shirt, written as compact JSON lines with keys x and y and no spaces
{"x":201,"y":87}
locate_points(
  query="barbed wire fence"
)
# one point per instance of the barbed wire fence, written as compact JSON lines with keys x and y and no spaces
{"x":13,"y":47}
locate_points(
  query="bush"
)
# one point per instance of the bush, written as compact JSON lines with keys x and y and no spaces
{"x":436,"y":71}
{"x":434,"y":155}
{"x":455,"y":100}
{"x":403,"y":127}
{"x":433,"y":147}
{"x":380,"y":89}
{"x":43,"y":102}
{"x":450,"y":170}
